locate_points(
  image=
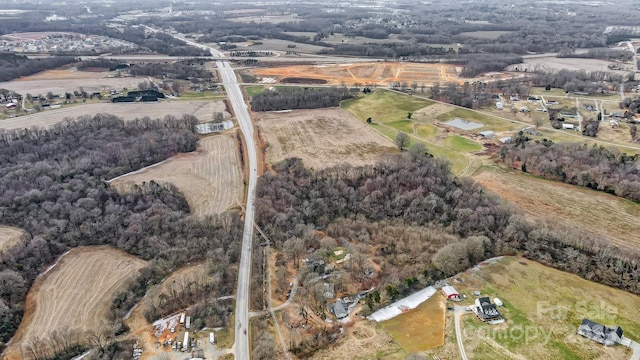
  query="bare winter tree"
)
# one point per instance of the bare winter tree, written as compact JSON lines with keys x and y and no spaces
{"x":402,"y":141}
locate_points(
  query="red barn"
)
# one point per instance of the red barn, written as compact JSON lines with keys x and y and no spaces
{"x":450,"y":293}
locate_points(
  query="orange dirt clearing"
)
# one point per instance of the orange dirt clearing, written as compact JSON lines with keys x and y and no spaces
{"x":210,"y":178}
{"x":74,"y":295}
{"x":378,"y":73}
{"x":321,"y":137}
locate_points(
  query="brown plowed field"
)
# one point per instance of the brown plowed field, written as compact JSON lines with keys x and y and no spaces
{"x":321,"y":137}
{"x":75,"y":295}
{"x":210,"y":178}
{"x":9,"y":236}
{"x":203,"y":110}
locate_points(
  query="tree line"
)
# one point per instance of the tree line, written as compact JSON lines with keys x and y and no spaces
{"x":13,"y":66}
{"x":54,"y":187}
{"x":424,"y":223}
{"x":594,"y":167}
{"x":299,"y":98}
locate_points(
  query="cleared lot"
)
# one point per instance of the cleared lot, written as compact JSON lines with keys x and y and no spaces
{"x":9,"y":236}
{"x":67,"y":80}
{"x":75,"y":295}
{"x":321,"y":137}
{"x":203,"y":110}
{"x":210,"y":178}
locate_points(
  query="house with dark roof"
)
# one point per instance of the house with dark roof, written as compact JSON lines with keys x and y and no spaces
{"x":599,"y":333}
{"x":486,"y":311}
{"x":340,"y":309}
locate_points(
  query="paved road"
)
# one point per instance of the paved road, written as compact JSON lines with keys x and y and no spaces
{"x":636,"y":350}
{"x":241,"y":346}
{"x":458,"y":312}
{"x":228,"y":77}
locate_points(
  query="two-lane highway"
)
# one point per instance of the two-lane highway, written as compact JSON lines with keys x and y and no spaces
{"x":230,"y":81}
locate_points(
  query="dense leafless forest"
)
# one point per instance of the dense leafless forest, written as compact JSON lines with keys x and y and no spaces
{"x":594,"y":167}
{"x":54,"y":187}
{"x":423,"y":223}
{"x":14,"y":66}
{"x":299,"y":98}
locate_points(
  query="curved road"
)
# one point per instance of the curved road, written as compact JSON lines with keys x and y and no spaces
{"x":228,"y":77}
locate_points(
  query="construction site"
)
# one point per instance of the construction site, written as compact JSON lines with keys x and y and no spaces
{"x":372,"y":74}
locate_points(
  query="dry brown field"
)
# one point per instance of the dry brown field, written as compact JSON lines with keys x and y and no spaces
{"x":592,"y":211}
{"x":203,"y":110}
{"x":60,"y":81}
{"x":553,"y":64}
{"x":75,"y":295}
{"x":363,"y":340}
{"x":9,"y":236}
{"x":320,"y":137}
{"x":210,"y":178}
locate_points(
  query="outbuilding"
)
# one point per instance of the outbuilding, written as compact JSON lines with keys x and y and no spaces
{"x":487,"y":134}
{"x":567,"y":127}
{"x":450,"y":292}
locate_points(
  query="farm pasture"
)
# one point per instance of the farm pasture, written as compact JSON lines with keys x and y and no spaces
{"x":542,"y":317}
{"x":9,"y":236}
{"x":60,"y":81}
{"x":554,"y":64}
{"x":422,"y":328}
{"x":592,"y":211}
{"x":210,"y":178}
{"x":281,"y":45}
{"x":203,"y":110}
{"x":320,"y":137}
{"x":74,"y":296}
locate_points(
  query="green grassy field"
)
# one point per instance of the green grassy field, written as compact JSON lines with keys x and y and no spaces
{"x":204,"y":95}
{"x":459,"y":143}
{"x":402,"y":125}
{"x":255,"y":89}
{"x":389,"y":113}
{"x":541,"y":316}
{"x":384,"y":106}
{"x":422,"y":328}
{"x":427,"y":131}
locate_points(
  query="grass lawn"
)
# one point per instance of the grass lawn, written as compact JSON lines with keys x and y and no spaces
{"x":204,"y":95}
{"x":402,"y":125}
{"x":541,"y":316}
{"x":460,"y":143}
{"x":255,"y":90}
{"x":427,"y":131}
{"x":384,"y":106}
{"x":421,"y":328}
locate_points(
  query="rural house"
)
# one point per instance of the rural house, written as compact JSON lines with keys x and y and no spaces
{"x":600,"y":333}
{"x":486,"y":311}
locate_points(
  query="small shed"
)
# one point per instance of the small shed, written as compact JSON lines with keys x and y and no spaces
{"x":487,"y":134}
{"x":567,"y":126}
{"x":450,"y":292}
{"x":506,"y":140}
{"x":497,"y":301}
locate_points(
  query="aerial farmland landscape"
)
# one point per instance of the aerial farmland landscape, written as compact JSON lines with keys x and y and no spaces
{"x":319,"y":180}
